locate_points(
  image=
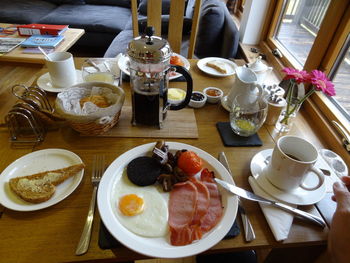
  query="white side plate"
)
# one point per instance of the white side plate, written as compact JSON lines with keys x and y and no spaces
{"x":35,"y":162}
{"x":230,"y":67}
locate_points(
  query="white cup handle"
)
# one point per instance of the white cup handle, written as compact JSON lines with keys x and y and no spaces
{"x":320,"y":176}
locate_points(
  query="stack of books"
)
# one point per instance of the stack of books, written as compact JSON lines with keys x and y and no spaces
{"x":41,"y":29}
{"x":44,"y":41}
{"x":45,"y":36}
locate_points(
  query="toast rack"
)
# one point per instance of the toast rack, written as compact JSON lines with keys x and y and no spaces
{"x":27,"y":120}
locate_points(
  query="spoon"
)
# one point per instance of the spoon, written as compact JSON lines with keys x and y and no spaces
{"x":43,"y":51}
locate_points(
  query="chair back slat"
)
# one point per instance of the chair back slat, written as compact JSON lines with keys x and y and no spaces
{"x":134,"y":14}
{"x":154,"y":16}
{"x":176,"y":18}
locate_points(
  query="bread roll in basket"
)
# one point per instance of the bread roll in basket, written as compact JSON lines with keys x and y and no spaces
{"x":91,"y":108}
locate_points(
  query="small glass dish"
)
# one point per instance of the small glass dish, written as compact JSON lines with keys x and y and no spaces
{"x":176,"y":96}
{"x":101,"y":70}
{"x":213,"y":94}
{"x":198,"y":99}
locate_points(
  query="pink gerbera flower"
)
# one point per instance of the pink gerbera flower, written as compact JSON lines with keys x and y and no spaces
{"x":322,"y":83}
{"x":299,"y":75}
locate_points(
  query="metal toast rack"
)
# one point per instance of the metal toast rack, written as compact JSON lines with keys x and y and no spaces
{"x":27,"y":120}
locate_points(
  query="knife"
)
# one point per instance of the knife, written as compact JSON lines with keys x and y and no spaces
{"x":253,"y":197}
{"x":249,"y":234}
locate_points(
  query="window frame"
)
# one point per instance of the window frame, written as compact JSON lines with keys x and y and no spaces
{"x":323,"y":54}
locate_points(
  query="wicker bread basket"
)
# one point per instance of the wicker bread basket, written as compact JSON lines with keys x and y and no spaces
{"x":97,"y":123}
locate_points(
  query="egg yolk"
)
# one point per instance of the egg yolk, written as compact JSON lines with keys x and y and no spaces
{"x":131,"y":205}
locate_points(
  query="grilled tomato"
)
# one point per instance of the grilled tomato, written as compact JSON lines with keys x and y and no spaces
{"x":175,"y":60}
{"x":190,"y":162}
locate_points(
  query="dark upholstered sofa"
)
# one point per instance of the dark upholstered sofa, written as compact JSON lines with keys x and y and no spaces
{"x":107,"y":23}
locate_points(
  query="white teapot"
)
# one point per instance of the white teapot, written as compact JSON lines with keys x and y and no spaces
{"x":260,"y":69}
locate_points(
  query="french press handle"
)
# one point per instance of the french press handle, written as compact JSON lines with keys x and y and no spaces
{"x":189,"y":89}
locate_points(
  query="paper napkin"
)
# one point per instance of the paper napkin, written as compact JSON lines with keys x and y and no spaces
{"x":279,"y":221}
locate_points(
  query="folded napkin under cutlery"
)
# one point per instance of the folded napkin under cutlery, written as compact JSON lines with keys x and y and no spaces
{"x":279,"y":221}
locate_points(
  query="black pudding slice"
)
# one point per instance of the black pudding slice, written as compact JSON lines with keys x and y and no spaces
{"x":143,"y":171}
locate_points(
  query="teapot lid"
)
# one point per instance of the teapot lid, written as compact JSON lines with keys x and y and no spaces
{"x":149,"y":48}
{"x":258,"y":65}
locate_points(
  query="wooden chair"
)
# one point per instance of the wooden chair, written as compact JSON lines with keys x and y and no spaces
{"x":176,"y":18}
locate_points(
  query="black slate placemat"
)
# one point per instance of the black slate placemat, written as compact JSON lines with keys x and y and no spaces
{"x":107,"y":241}
{"x":229,"y":138}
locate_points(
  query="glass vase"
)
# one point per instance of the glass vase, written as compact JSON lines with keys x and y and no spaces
{"x":286,"y":119}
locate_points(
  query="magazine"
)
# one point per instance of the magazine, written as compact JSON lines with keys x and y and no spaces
{"x":9,"y":43}
{"x":46,"y":41}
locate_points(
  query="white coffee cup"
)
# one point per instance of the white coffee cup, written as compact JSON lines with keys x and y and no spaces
{"x":61,"y":69}
{"x":292,"y":161}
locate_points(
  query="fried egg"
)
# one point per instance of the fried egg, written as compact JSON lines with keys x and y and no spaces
{"x":140,"y":209}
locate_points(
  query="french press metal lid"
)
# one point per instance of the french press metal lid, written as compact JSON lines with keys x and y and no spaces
{"x":149,"y":49}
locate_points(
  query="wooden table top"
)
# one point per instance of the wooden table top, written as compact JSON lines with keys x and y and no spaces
{"x":71,"y":36}
{"x":52,"y":234}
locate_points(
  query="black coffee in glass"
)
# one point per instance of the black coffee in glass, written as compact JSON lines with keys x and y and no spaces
{"x":149,"y":100}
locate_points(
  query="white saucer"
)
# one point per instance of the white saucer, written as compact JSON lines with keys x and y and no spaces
{"x":44,"y":82}
{"x":230,"y":67}
{"x":224,"y":103}
{"x":298,"y":196}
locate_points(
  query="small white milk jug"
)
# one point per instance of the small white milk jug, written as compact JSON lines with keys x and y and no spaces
{"x":245,"y":83}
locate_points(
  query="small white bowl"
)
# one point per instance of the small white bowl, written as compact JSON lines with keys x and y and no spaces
{"x":213,"y":98}
{"x":197,"y":103}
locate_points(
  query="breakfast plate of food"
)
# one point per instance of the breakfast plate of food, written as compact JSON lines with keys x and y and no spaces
{"x":40,"y":179}
{"x":162,"y":201}
{"x":217,"y":67}
{"x":175,"y":59}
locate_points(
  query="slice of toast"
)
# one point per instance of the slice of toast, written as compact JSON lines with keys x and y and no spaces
{"x":217,"y":65}
{"x":40,"y":187}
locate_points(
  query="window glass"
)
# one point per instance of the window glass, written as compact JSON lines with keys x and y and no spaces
{"x":298,"y":26}
{"x":340,"y":76}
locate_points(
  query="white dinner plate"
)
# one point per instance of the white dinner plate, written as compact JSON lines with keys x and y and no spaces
{"x":44,"y":82}
{"x":230,"y":67}
{"x":160,"y":247}
{"x":35,"y":162}
{"x":124,"y":63}
{"x":298,"y":196}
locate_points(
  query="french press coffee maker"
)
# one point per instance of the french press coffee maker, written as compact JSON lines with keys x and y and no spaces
{"x":149,"y":78}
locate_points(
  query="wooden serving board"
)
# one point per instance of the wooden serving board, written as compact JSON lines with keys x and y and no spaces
{"x":178,"y":124}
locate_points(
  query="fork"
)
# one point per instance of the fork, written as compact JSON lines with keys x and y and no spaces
{"x":97,"y":171}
